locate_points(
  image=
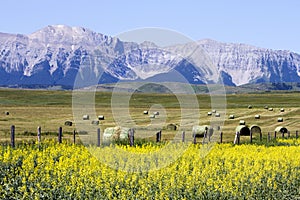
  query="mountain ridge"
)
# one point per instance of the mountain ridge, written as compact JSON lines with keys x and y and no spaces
{"x":56,"y":54}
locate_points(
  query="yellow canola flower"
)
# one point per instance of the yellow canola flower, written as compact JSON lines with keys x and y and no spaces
{"x":222,"y":171}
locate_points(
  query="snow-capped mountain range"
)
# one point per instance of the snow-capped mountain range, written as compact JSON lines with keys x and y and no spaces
{"x":57,"y":55}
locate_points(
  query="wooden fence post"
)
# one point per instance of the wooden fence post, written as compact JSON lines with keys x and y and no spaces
{"x":288,"y":134}
{"x":296,"y":134}
{"x":275,"y":134}
{"x":221,"y":137}
{"x":98,"y":137}
{"x":131,"y":137}
{"x":74,"y":136}
{"x":12,"y":136}
{"x":251,"y":136}
{"x":269,"y":136}
{"x":282,"y":134}
{"x":60,"y":135}
{"x":39,"y":132}
{"x":183,"y":136}
{"x":158,"y":136}
{"x":238,"y":138}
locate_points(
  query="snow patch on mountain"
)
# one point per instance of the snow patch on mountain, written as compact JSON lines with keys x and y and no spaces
{"x":55,"y":54}
{"x":246,"y":63}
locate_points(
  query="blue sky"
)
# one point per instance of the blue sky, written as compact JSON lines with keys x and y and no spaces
{"x":270,"y":24}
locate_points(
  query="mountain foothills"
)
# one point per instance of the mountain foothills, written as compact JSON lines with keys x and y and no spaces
{"x":75,"y":56}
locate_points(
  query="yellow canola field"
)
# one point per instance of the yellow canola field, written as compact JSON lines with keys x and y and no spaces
{"x":185,"y":171}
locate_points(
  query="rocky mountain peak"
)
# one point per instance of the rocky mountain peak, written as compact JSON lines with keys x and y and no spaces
{"x":55,"y":54}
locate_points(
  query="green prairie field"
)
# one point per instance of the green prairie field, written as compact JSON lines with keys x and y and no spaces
{"x":29,"y":109}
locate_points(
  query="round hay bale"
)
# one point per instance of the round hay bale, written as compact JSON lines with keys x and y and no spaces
{"x":217,"y":115}
{"x":281,"y":129}
{"x":68,"y":123}
{"x":257,"y":116}
{"x":145,"y":112}
{"x":255,"y":129}
{"x":108,"y":132}
{"x":209,"y":113}
{"x":95,"y":122}
{"x":100,"y":117}
{"x":156,"y":113}
{"x":282,"y":110}
{"x":152,"y":116}
{"x":270,"y":109}
{"x":242,"y":122}
{"x":279,"y":119}
{"x":214,"y":111}
{"x":172,"y":127}
{"x":243,"y":130}
{"x":231,"y":116}
{"x":82,"y":132}
{"x":115,"y":133}
{"x":85,"y":117}
{"x":199,"y":131}
{"x":250,"y":106}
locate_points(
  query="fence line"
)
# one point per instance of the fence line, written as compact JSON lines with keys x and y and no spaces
{"x":158,"y":136}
